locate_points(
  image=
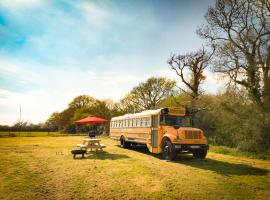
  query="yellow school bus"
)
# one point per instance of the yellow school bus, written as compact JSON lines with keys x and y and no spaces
{"x":166,"y":130}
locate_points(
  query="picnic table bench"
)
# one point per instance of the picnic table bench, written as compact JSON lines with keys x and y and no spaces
{"x":91,"y":143}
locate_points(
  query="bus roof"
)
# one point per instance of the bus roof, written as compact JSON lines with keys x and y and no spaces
{"x":143,"y":113}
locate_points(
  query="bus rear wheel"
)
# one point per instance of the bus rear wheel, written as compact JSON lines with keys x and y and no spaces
{"x":200,"y":153}
{"x":124,"y":143}
{"x":168,"y":151}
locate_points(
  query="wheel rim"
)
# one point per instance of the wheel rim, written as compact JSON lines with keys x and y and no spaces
{"x":166,"y":151}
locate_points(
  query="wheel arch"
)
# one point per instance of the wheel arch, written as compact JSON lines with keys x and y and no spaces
{"x":123,"y":137}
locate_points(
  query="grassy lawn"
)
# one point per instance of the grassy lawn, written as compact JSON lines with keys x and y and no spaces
{"x":43,"y":168}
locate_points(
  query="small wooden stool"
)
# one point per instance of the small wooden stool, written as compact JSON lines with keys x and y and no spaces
{"x":78,"y":151}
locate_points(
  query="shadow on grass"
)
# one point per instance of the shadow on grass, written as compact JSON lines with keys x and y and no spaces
{"x":217,"y":166}
{"x":103,"y":155}
{"x":221,"y":167}
{"x":142,"y":149}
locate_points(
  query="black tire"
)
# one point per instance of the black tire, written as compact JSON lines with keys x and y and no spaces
{"x":168,"y":151}
{"x":200,"y":153}
{"x":124,"y":143}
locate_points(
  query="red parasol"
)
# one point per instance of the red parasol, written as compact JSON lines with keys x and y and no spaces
{"x":91,"y":120}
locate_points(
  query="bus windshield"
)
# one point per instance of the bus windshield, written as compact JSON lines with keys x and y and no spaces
{"x":169,"y":120}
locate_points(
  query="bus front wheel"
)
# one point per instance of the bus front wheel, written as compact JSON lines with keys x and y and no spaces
{"x":124,"y":143}
{"x":168,"y":151}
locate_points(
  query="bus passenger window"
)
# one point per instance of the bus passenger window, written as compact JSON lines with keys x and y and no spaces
{"x":147,"y":122}
{"x":142,"y":122}
{"x":138,"y":122}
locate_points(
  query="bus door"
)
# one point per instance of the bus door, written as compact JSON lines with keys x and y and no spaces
{"x":154,"y":134}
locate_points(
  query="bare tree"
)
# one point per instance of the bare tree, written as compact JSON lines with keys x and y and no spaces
{"x":190,"y":68}
{"x":240,"y":30}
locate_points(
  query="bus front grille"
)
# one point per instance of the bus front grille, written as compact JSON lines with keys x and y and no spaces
{"x":193,"y":135}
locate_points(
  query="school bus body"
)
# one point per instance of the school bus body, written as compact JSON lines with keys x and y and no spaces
{"x":152,"y":129}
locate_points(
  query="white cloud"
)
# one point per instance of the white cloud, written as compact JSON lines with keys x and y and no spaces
{"x":93,"y":14}
{"x":22,"y":75}
{"x":36,"y":106}
{"x":20,"y":4}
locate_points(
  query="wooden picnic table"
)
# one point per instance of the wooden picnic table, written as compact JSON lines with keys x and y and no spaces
{"x":91,"y":143}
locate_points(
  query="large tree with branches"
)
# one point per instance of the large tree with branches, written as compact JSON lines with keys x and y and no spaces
{"x":190,"y":68}
{"x":240,"y":31}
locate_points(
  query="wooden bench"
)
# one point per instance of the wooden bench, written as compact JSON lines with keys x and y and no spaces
{"x":82,"y":146}
{"x":78,"y":151}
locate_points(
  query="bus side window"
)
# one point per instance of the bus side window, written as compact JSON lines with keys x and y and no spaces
{"x":142,"y":122}
{"x":134,"y":122}
{"x":131,"y":120}
{"x":138,"y":122}
{"x":147,"y":121}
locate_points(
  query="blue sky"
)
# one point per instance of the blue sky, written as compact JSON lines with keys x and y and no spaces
{"x":51,"y":51}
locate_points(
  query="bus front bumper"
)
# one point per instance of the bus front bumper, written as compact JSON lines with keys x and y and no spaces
{"x":190,"y":147}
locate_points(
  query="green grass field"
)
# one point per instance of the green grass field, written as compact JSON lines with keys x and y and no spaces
{"x":43,"y":168}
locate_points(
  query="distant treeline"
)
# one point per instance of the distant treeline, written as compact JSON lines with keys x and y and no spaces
{"x":26,"y":127}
